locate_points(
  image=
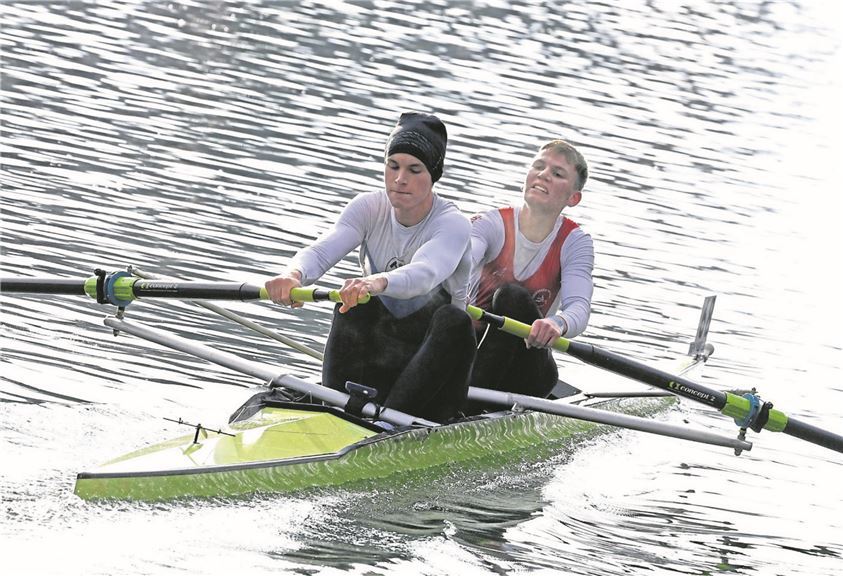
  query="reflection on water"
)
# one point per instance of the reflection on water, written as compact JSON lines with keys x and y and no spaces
{"x":212,"y":140}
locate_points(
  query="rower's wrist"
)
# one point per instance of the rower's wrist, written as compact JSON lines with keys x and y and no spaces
{"x":295,"y":274}
{"x":561,"y":324}
{"x":378,"y":282}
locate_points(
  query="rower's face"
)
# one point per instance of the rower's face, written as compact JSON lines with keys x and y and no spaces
{"x":408,"y":184}
{"x":551,"y":182}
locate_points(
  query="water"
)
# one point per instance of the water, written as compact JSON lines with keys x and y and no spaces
{"x":211,"y":140}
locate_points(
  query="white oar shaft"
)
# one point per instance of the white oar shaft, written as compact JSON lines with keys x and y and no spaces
{"x":262,"y":371}
{"x":605,"y":417}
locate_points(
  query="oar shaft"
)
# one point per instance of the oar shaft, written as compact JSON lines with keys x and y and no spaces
{"x":729,"y":404}
{"x":611,"y":361}
{"x":618,"y":364}
{"x":239,"y":319}
{"x":813,"y":434}
{"x":127,"y":288}
{"x":71,"y":286}
{"x":195,"y":290}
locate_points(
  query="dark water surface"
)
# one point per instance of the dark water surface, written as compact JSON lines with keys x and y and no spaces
{"x":212,"y":140}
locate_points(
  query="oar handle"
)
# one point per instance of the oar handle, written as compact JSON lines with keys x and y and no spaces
{"x":318,"y":294}
{"x":511,"y":326}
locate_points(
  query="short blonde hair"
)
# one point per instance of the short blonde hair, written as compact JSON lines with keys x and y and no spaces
{"x":573,"y":156}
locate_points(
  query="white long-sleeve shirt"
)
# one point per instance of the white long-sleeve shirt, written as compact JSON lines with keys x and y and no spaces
{"x":573,"y":302}
{"x":416,"y":260}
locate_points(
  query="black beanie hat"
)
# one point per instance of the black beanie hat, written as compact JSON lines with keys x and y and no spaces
{"x":423,"y":136}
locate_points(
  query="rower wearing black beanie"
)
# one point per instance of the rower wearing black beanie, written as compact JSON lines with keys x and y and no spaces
{"x":414,"y":343}
{"x":423,"y":136}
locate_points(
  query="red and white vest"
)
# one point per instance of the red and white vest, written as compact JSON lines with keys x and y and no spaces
{"x":543,"y":285}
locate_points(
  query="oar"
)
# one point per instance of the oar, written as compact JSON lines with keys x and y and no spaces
{"x":121,"y":288}
{"x":747,"y":411}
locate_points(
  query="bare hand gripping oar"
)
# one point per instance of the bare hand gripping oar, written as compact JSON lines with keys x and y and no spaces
{"x":748,"y":411}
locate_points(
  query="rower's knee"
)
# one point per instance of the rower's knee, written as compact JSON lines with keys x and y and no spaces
{"x":452,"y":321}
{"x":515,"y":301}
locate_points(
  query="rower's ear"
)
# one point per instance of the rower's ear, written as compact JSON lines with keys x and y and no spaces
{"x":574,"y":199}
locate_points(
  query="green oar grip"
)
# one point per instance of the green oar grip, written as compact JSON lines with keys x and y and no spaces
{"x":511,"y":326}
{"x":319,"y":294}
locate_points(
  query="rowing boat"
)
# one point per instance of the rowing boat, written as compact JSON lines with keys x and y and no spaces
{"x":298,"y":434}
{"x":275,"y":445}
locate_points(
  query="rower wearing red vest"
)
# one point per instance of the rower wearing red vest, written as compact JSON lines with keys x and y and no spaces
{"x":532,"y":264}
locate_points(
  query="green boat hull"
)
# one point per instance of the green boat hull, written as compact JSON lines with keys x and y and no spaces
{"x":284,"y":447}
